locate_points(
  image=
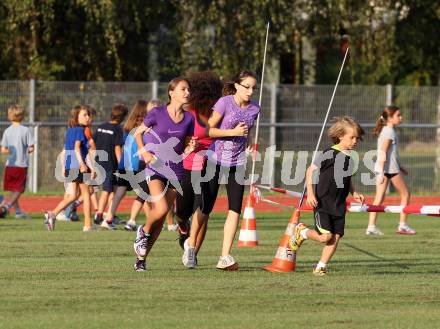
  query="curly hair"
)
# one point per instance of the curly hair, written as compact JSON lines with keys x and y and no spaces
{"x":206,"y":89}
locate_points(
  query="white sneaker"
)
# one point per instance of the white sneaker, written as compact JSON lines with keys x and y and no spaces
{"x":108,"y":225}
{"x":227,"y":263}
{"x":405,"y":229}
{"x":189,"y":255}
{"x":373,"y":231}
{"x":21,"y":215}
{"x":49,"y":220}
{"x":61,"y":216}
{"x":130,"y":226}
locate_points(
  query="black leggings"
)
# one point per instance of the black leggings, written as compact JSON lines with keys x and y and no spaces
{"x":188,"y":203}
{"x":234,"y":188}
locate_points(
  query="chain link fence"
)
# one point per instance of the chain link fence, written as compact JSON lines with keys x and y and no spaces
{"x":291,"y":119}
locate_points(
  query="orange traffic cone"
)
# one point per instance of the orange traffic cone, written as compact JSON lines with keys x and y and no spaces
{"x":285,"y":259}
{"x":248,"y":232}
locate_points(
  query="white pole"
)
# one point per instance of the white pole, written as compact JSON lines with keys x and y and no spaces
{"x":154,"y":89}
{"x":33,"y":165}
{"x":35,"y":160}
{"x":273,"y":131}
{"x":389,"y":97}
{"x":325,"y":122}
{"x":254,"y":157}
{"x":32,"y":101}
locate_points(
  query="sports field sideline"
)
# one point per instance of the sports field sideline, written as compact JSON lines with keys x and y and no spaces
{"x":69,"y":279}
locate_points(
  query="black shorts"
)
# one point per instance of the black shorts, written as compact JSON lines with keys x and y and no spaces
{"x":234,"y":189}
{"x":75,"y":176}
{"x":109,"y":182}
{"x":144,"y":185}
{"x":120,"y":181}
{"x":389,"y":176}
{"x":326,"y":223}
{"x":188,"y":203}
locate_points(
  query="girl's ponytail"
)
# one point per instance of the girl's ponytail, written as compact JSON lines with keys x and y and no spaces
{"x":229,"y":88}
{"x":387,"y":113}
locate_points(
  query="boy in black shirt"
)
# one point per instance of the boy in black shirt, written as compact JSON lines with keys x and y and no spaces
{"x":328,"y":189}
{"x":109,"y":138}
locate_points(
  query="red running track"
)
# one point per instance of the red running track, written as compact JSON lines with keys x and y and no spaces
{"x":35,"y":204}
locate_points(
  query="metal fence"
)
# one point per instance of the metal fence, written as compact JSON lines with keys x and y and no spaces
{"x":291,"y":118}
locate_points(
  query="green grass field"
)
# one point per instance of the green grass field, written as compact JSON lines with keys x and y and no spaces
{"x":70,"y":279}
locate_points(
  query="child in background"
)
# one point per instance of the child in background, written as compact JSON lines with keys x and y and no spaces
{"x":76,"y":167}
{"x":129,"y":164}
{"x":70,"y":213}
{"x":388,"y":168}
{"x":18,"y":143}
{"x":328,"y":181}
{"x":109,"y":138}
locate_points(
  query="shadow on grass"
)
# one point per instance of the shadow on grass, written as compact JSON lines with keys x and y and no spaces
{"x":382,"y":259}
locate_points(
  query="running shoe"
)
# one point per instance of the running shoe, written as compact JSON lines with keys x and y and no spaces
{"x":189,"y":259}
{"x":98,"y":218}
{"x":49,"y":220}
{"x":130,"y":226}
{"x":227,"y":263}
{"x":373,"y":231}
{"x":140,"y":265}
{"x":405,"y":230}
{"x":141,"y":242}
{"x":3,"y":212}
{"x":108,"y":225}
{"x":183,"y":235}
{"x":70,"y":210}
{"x":297,"y":240}
{"x":61,"y":216}
{"x":21,"y":215}
{"x":319,"y":271}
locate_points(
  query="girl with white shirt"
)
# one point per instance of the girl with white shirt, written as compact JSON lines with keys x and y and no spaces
{"x":388,"y":168}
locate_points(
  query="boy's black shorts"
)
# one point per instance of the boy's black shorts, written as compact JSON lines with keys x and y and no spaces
{"x":109,"y":182}
{"x":326,"y":223}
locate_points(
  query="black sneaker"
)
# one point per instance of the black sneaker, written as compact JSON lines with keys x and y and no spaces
{"x":182,"y":237}
{"x":98,"y":219}
{"x":140,"y":265}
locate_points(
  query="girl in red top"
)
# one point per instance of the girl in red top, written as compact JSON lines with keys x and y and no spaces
{"x":206,"y":89}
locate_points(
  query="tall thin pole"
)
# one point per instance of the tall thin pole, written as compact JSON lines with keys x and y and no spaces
{"x":324,"y":123}
{"x":257,"y":129}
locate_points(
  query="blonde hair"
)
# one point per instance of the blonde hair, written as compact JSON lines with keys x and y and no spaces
{"x":136,"y":115}
{"x":152,"y":103}
{"x":16,"y":113}
{"x":340,"y":126}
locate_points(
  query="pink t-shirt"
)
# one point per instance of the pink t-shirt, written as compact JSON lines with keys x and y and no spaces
{"x":196,"y":160}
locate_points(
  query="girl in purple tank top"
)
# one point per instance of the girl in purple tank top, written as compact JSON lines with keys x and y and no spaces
{"x":232,"y":118}
{"x":171,"y":129}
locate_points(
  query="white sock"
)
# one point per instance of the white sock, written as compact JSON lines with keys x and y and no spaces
{"x":321,"y":264}
{"x":371,"y":227}
{"x":131,"y":221}
{"x":304,"y":233}
{"x":403,"y":224}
